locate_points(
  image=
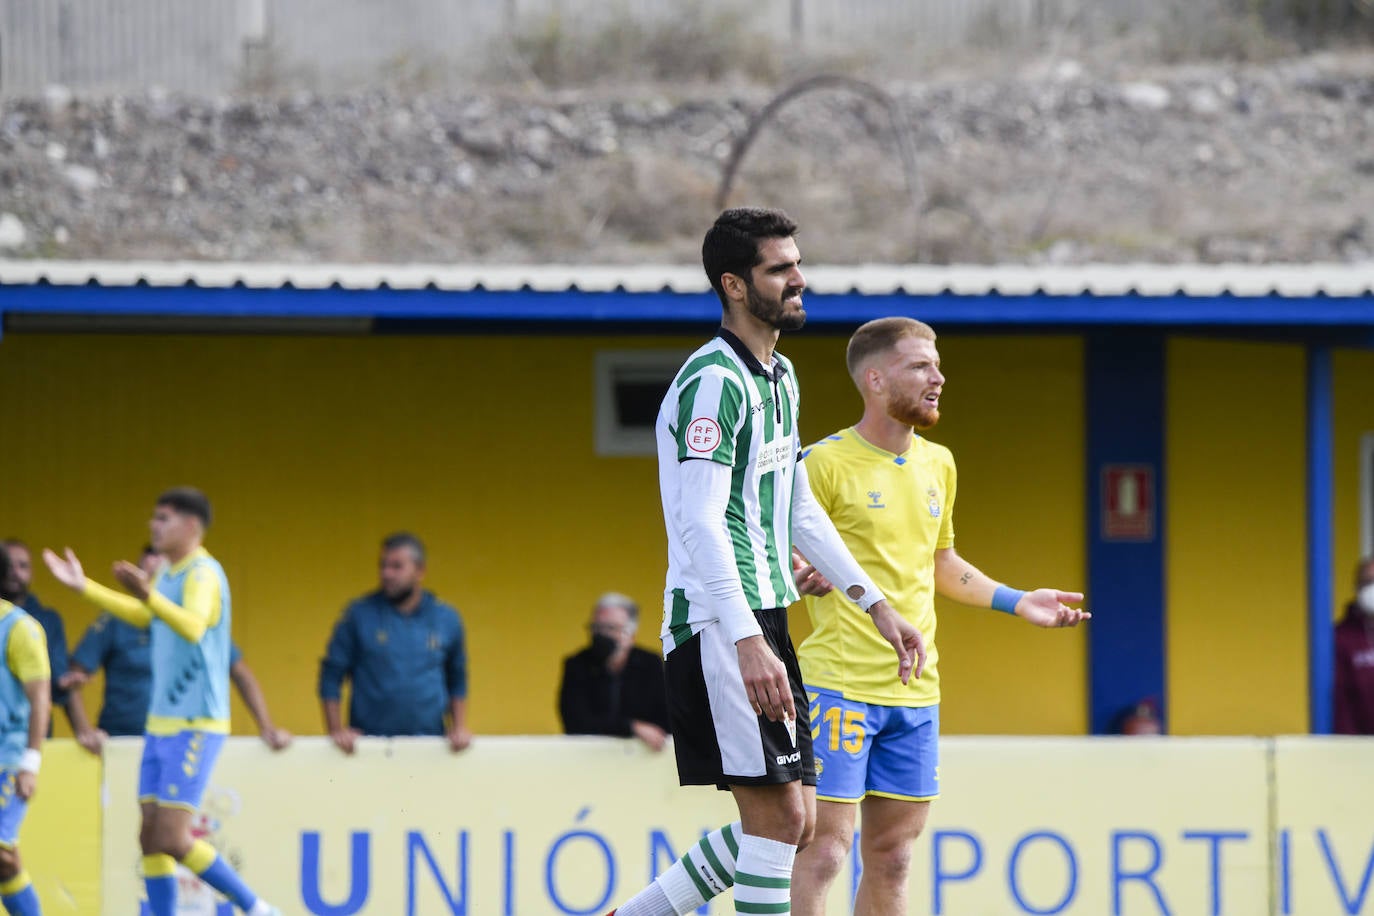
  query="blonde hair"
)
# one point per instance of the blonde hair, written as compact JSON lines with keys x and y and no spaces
{"x":881,"y":335}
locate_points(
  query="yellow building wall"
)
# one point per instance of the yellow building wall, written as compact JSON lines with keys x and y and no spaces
{"x":1353,"y":381}
{"x":313,"y":448}
{"x":1236,"y":642}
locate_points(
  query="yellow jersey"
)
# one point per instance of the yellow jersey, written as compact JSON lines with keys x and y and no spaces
{"x":26,"y":650}
{"x":893,"y":512}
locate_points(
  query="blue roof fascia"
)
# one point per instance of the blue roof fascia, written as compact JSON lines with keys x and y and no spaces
{"x":669,"y":307}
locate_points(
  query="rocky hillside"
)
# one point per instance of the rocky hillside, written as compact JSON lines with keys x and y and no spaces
{"x":1255,"y":163}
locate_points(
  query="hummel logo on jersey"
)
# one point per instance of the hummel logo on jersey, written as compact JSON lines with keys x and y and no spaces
{"x":875,"y":499}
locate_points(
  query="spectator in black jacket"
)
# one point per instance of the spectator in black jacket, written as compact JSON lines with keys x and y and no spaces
{"x":613,"y":687}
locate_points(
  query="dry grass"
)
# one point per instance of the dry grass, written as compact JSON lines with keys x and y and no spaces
{"x":706,"y":43}
{"x":696,"y":44}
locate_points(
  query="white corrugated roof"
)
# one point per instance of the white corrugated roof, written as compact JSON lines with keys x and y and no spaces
{"x":1291,"y":280}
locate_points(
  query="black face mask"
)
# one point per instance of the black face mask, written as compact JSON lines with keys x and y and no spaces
{"x":603,"y":647}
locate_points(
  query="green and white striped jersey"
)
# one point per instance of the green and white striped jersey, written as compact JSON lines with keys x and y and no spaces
{"x":725,"y":406}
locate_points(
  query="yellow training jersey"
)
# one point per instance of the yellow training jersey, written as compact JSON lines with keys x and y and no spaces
{"x":893,"y":512}
{"x":26,"y":650}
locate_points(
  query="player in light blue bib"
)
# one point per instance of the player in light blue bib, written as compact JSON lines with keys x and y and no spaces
{"x":25,"y":708}
{"x":187,"y":610}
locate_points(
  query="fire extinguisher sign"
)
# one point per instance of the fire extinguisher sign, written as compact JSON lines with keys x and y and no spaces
{"x":1128,"y":502}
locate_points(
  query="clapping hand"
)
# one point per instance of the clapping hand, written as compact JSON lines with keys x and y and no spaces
{"x":134,"y":579}
{"x":66,"y":570}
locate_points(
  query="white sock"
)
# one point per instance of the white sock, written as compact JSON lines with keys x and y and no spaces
{"x":649,"y":902}
{"x":707,"y":869}
{"x":763,"y":877}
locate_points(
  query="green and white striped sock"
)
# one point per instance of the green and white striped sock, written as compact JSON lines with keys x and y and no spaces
{"x":707,"y":869}
{"x":763,"y":876}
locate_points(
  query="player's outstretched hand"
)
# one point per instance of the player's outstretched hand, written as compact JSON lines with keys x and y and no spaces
{"x":905,"y":638}
{"x":808,"y":579}
{"x":66,"y":570}
{"x":1048,"y":607}
{"x":134,"y":580}
{"x":765,"y":679}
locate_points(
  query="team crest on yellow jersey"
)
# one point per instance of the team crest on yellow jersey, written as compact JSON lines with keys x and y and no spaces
{"x":933,"y":496}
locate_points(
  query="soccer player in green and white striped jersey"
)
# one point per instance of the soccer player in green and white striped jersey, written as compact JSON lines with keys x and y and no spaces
{"x":735,"y":500}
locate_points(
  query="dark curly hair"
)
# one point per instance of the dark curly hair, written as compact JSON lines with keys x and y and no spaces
{"x":731,"y":245}
{"x":187,"y":501}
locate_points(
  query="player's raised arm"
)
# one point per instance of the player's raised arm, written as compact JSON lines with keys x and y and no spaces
{"x":959,"y":580}
{"x":816,"y":537}
{"x":202,"y":600}
{"x":67,"y":570}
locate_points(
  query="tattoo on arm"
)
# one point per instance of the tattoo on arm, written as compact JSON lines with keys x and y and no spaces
{"x":963,"y":580}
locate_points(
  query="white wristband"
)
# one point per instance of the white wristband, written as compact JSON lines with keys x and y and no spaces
{"x":30,"y":761}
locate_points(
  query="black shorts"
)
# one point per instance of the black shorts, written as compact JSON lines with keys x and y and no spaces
{"x":718,"y":738}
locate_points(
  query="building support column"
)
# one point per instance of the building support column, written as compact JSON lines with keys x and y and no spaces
{"x":1320,"y":512}
{"x":1125,"y":436}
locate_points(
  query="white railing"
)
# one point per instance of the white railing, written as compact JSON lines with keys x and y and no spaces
{"x":111,"y":44}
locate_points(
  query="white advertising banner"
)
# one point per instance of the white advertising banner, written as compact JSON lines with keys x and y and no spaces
{"x":556,"y":825}
{"x":1324,"y":826}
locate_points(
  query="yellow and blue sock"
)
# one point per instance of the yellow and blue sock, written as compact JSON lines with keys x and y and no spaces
{"x":219,"y":874}
{"x":19,"y":897}
{"x":160,"y":884}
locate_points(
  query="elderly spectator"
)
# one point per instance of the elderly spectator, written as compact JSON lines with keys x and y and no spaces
{"x":613,"y":687}
{"x":403,"y":650}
